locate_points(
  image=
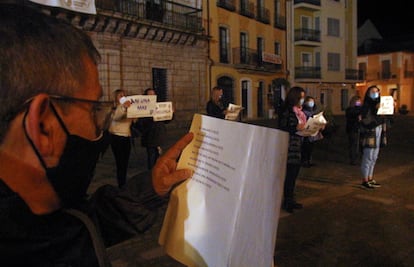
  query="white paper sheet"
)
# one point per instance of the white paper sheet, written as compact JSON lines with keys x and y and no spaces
{"x":227,"y":214}
{"x":313,"y":125}
{"x":386,"y":105}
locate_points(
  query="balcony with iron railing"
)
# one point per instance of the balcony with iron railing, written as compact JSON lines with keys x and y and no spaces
{"x":227,"y":4}
{"x":308,"y":35}
{"x":167,"y":13}
{"x":303,"y":72}
{"x":246,"y":9}
{"x":250,"y":59}
{"x":280,"y":22}
{"x":263,"y":15}
{"x":354,"y":74}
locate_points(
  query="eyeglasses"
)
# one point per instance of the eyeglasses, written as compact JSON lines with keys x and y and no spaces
{"x":101,"y":110}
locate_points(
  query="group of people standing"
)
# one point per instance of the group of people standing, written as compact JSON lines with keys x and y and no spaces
{"x":152,"y":134}
{"x":366,"y":132}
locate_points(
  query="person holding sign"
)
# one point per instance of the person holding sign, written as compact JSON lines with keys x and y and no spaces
{"x":153,"y":134}
{"x":120,"y":132}
{"x":292,"y":120}
{"x":372,"y":127}
{"x":215,"y":106}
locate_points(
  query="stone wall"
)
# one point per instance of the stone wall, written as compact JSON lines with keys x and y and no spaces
{"x":127,"y":63}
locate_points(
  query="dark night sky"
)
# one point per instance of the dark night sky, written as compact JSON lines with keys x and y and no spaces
{"x":392,"y":18}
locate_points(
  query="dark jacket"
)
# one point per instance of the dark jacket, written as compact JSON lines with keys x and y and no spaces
{"x":152,"y":132}
{"x":352,"y":120}
{"x":63,"y":238}
{"x":215,"y":110}
{"x":288,"y":122}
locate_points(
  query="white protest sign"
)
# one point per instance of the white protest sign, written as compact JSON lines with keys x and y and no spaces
{"x":386,"y":105}
{"x":141,"y":106}
{"x":163,"y":111}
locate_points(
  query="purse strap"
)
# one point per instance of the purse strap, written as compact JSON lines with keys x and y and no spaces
{"x":97,"y":241}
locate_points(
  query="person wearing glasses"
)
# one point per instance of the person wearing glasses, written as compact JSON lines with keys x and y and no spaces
{"x":120,"y":132}
{"x":51,"y":135}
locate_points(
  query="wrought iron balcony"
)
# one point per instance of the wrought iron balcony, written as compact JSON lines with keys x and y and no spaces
{"x":165,"y":12}
{"x":263,"y":15}
{"x":246,"y":8}
{"x":250,"y":59}
{"x":280,"y":22}
{"x":307,"y":35}
{"x":354,"y":74}
{"x":227,"y":4}
{"x":307,"y":72}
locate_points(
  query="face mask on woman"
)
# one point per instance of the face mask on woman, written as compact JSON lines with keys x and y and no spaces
{"x":311,"y":104}
{"x":374,"y":95}
{"x":358,"y":103}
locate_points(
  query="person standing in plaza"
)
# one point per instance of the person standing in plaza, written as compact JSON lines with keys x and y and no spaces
{"x":51,"y":137}
{"x":120,"y":134}
{"x":309,"y":108}
{"x":353,"y":124}
{"x":215,"y":106}
{"x":153,"y":134}
{"x":292,"y":119}
{"x":372,"y":126}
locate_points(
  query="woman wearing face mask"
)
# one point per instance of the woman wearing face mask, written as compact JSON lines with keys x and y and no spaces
{"x":310,"y":109}
{"x":371,"y":127}
{"x":353,"y":119}
{"x":292,"y":119}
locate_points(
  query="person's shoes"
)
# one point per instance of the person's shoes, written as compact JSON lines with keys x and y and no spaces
{"x":296,"y":205}
{"x":374,"y":183}
{"x":288,"y":207}
{"x":367,"y":185}
{"x":306,"y":164}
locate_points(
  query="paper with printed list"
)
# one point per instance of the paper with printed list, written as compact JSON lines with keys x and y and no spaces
{"x":227,"y":214}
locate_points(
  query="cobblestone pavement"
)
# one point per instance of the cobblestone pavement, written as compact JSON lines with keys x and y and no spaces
{"x":342,"y":224}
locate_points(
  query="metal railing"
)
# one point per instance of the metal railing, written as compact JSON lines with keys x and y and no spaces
{"x":163,"y":11}
{"x":307,"y":72}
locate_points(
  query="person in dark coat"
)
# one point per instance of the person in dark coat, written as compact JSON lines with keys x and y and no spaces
{"x":215,"y":106}
{"x":353,"y":124}
{"x":292,"y":119}
{"x":153,"y":135}
{"x":372,"y":126}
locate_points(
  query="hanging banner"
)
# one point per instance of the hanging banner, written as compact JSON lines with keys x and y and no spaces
{"x":84,"y":6}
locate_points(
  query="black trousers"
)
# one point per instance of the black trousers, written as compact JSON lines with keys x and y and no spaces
{"x":121,"y":148}
{"x":354,"y":147}
{"x":152,"y":156}
{"x":292,"y":172}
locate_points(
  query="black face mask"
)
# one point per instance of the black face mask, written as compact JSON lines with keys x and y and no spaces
{"x":75,"y":170}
